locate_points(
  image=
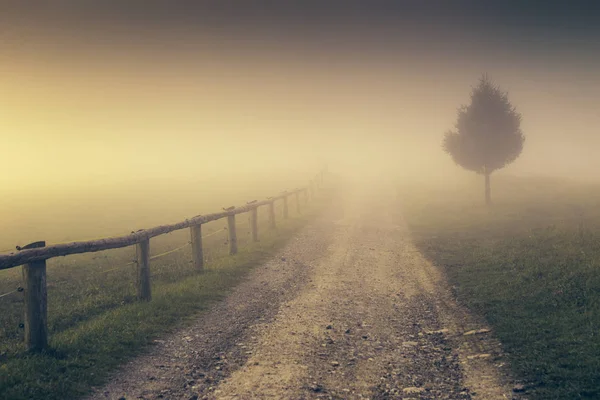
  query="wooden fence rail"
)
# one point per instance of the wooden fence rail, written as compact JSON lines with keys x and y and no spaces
{"x":33,"y":256}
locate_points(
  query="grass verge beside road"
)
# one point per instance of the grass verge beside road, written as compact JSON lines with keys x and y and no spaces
{"x":101,"y":327}
{"x":530,"y":265}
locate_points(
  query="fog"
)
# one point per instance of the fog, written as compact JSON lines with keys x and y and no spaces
{"x":119,"y":121}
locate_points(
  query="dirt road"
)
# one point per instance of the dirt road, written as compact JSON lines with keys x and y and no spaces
{"x":348,"y":310}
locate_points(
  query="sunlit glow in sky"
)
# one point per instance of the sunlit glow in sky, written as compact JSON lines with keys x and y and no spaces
{"x":123,"y":91}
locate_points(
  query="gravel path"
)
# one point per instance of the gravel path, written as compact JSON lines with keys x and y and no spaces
{"x":349,"y":309}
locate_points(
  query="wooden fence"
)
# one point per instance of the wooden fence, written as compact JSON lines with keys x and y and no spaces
{"x":33,"y":256}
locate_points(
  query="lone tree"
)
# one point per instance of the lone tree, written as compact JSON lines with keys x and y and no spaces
{"x":488,"y":134}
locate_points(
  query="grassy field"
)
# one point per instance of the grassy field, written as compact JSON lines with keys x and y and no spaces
{"x":94,"y":321}
{"x":530,"y":265}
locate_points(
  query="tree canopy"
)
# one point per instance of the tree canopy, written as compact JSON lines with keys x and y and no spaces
{"x":487,"y":133}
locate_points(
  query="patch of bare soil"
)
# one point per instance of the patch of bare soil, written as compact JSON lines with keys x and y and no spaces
{"x":348,"y":310}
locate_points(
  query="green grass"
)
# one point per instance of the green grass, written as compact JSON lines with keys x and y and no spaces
{"x":95,"y":323}
{"x":530,"y":265}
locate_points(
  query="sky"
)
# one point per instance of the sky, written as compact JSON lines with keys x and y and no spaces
{"x":95,"y":93}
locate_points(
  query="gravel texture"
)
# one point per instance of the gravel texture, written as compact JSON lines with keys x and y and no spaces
{"x":349,"y":309}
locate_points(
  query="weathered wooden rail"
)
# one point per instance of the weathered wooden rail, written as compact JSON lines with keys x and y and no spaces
{"x":33,"y":256}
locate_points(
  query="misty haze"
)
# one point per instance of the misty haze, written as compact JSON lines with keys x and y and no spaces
{"x":381,"y":200}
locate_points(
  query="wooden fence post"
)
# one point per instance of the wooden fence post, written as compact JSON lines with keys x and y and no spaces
{"x":144,"y":292}
{"x":254,"y":224}
{"x":285,"y":206}
{"x":197,"y":253}
{"x":36,"y":302}
{"x":272,"y":223}
{"x":232,"y":234}
{"x":297,"y":201}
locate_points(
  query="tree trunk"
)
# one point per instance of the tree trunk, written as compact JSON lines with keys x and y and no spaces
{"x":488,"y":190}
